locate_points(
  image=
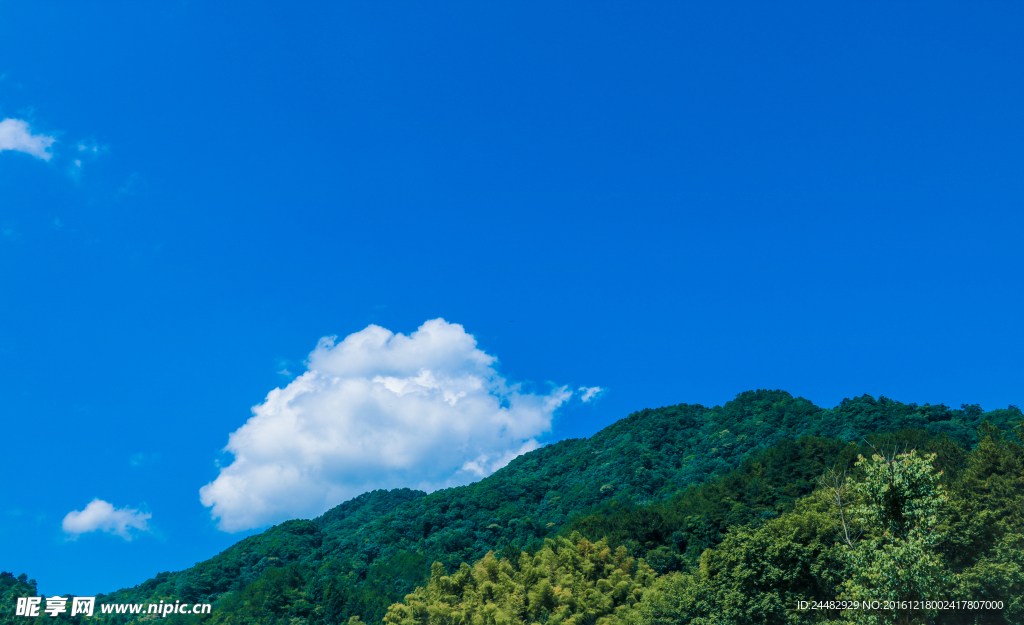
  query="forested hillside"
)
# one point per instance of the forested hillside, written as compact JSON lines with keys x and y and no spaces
{"x":674,"y":498}
{"x":895,"y":532}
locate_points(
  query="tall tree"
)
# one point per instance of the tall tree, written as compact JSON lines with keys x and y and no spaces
{"x":897,"y":561}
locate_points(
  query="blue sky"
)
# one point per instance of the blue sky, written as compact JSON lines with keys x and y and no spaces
{"x":673,"y":202}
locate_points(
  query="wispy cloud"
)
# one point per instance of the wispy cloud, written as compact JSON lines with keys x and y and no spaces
{"x":590,"y":393}
{"x":285,"y":366}
{"x":89,"y":147}
{"x":16,"y":135}
{"x":86,"y":151}
{"x":100,"y":516}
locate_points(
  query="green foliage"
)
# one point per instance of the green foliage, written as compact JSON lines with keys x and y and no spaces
{"x":874,"y":532}
{"x":898,"y":504}
{"x":757,"y":575}
{"x":11,"y":588}
{"x":672,"y":534}
{"x":567,"y":582}
{"x":664,"y":484}
{"x":278,"y":596}
{"x":997,"y":576}
{"x":982,"y":538}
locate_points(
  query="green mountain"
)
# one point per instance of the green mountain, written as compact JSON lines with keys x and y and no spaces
{"x":664,"y":484}
{"x":891,"y":538}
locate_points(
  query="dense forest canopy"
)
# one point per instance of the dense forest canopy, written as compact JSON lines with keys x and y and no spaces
{"x":730,"y":514}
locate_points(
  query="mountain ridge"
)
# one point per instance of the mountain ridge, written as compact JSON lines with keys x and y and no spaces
{"x":370,"y":551}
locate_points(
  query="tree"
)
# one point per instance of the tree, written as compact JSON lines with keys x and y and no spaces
{"x":897,"y":506}
{"x":985,"y":542}
{"x":568,"y":582}
{"x":756,"y":576}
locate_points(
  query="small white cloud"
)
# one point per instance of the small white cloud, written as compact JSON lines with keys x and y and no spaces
{"x":90,"y":148}
{"x":103,"y":517}
{"x":16,"y":135}
{"x":88,"y":151}
{"x":284,"y":367}
{"x":589,"y":393}
{"x":377,"y":410}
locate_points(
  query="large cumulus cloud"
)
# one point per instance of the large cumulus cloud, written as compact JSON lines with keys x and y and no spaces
{"x":376,"y":410}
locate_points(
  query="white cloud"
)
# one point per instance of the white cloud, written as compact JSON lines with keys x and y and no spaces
{"x":589,"y":393}
{"x":104,"y":517}
{"x":485,"y":464}
{"x":16,"y":135}
{"x":377,"y":410}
